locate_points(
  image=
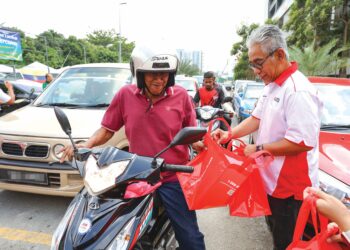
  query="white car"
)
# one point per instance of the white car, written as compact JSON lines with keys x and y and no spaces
{"x":31,"y":137}
{"x":188,"y":83}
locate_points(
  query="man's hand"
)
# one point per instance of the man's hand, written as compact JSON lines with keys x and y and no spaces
{"x":333,"y":209}
{"x":249,"y":149}
{"x":8,"y":85}
{"x":68,"y":152}
{"x":198,"y":146}
{"x":220,"y":136}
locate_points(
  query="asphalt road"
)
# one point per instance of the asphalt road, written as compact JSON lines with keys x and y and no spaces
{"x":27,"y":221}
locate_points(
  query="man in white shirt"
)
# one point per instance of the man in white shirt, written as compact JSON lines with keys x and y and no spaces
{"x":287,"y":117}
{"x":7,"y":98}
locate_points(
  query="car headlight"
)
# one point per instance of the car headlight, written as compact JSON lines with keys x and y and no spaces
{"x":57,"y":236}
{"x":98,"y":180}
{"x":57,"y":150}
{"x":123,"y":238}
{"x":334,"y":187}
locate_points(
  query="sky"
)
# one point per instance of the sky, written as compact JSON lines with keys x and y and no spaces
{"x":207,"y":25}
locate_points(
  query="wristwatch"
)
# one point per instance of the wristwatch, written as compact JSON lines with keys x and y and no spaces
{"x":346,"y":237}
{"x":259,"y":147}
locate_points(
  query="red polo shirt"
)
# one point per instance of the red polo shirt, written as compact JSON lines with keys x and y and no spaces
{"x":151,"y":127}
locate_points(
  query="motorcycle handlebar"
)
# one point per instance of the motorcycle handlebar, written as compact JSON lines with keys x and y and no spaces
{"x":177,"y":168}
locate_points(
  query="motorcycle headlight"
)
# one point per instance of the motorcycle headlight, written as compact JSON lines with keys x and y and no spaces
{"x":98,"y":180}
{"x":334,"y":187}
{"x":122,"y":240}
{"x":206,"y":114}
{"x":57,"y":236}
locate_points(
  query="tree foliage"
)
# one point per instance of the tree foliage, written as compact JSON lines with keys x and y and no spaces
{"x":99,"y":46}
{"x":322,"y":60}
{"x":240,"y":51}
{"x":317,"y":23}
{"x":187,"y":68}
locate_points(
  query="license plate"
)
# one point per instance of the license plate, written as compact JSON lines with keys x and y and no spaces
{"x":24,"y":177}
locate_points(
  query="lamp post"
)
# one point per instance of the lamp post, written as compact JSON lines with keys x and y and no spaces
{"x":84,"y":50}
{"x":46,"y":56}
{"x":119,"y":35}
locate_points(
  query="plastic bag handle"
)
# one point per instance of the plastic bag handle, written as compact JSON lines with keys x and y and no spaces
{"x":309,"y":206}
{"x":210,"y":126}
{"x":249,"y":162}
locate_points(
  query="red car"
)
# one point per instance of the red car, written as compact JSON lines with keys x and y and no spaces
{"x":334,"y":142}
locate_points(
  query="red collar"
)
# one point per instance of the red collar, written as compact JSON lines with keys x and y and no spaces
{"x":287,"y":73}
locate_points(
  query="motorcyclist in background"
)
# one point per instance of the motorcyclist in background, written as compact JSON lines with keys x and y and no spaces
{"x":153,"y":110}
{"x":210,"y":94}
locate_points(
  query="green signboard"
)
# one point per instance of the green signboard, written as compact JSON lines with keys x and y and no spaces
{"x":10,"y":45}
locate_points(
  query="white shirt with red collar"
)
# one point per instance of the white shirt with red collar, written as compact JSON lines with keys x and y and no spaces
{"x":290,"y":108}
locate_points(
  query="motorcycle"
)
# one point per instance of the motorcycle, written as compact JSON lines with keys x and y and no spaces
{"x":118,"y":207}
{"x":207,"y":113}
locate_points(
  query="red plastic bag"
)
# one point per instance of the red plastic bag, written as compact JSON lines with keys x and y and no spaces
{"x":318,"y":242}
{"x":218,"y":174}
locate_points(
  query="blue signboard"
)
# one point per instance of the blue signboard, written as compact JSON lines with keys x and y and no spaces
{"x":10,"y":45}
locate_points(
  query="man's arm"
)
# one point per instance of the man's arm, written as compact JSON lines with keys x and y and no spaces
{"x":10,"y":97}
{"x":278,"y":148}
{"x":246,"y":127}
{"x":196,"y":98}
{"x":101,"y":136}
{"x":11,"y":93}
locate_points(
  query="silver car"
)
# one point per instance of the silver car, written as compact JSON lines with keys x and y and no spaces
{"x":31,"y":137}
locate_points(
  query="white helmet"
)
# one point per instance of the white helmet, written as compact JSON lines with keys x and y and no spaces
{"x":146,"y":59}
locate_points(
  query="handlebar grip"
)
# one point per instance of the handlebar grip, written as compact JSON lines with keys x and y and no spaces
{"x":177,"y":168}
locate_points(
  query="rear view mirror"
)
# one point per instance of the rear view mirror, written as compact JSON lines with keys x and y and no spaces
{"x":63,"y":120}
{"x":188,"y":135}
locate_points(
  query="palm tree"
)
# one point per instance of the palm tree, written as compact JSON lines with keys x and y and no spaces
{"x":319,"y":61}
{"x":187,"y":68}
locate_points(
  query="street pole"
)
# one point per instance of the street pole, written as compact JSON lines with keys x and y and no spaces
{"x":84,"y":50}
{"x":120,"y":35}
{"x":46,"y":56}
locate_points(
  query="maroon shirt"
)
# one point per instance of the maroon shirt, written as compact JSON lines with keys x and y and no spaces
{"x":151,"y":127}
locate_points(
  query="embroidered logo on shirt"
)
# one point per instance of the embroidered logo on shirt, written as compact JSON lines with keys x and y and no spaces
{"x":276,"y":99}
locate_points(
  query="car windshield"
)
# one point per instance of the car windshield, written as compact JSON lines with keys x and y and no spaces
{"x":85,"y":86}
{"x":336,"y":103}
{"x":253,"y":91}
{"x":189,"y":85}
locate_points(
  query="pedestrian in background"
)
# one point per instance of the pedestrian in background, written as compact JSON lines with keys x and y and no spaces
{"x":287,"y":117}
{"x":48,"y":80}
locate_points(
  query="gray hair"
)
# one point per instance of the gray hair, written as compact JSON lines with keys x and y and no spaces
{"x":270,"y":38}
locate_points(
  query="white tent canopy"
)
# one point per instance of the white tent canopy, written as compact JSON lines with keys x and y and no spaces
{"x":38,"y":67}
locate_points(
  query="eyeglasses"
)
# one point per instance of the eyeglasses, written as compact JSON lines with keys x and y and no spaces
{"x":260,"y":65}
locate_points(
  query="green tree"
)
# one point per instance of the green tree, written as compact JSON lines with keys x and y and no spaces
{"x":187,"y":68}
{"x":322,"y":60}
{"x":318,"y":22}
{"x":240,"y":50}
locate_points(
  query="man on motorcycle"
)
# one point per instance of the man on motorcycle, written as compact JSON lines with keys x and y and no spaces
{"x":210,"y":94}
{"x":153,"y":110}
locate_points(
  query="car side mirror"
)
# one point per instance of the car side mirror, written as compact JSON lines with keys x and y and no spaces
{"x":240,"y":94}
